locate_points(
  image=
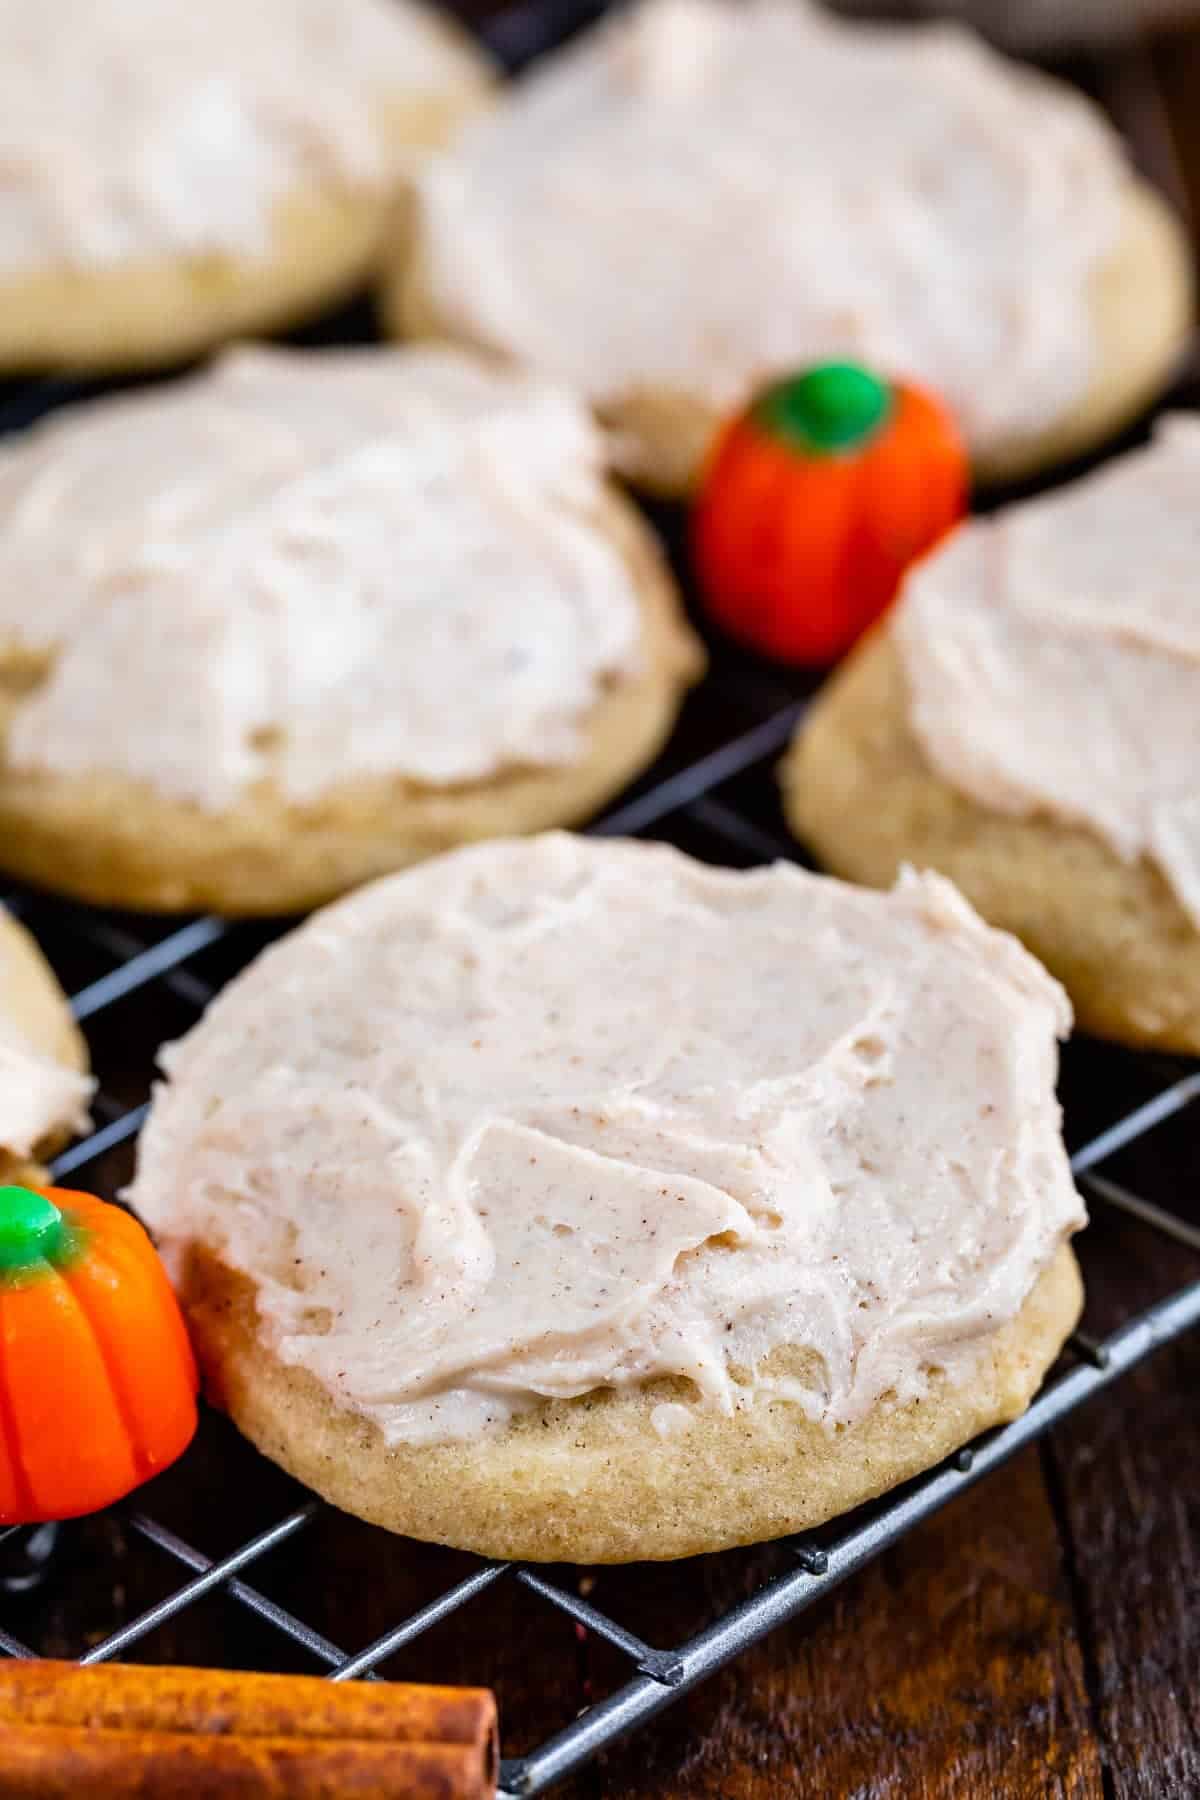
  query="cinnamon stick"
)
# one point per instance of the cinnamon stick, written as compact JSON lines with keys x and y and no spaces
{"x":133,"y":1733}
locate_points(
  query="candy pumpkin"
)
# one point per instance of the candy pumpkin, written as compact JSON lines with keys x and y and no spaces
{"x":815,"y":500}
{"x":97,"y":1379}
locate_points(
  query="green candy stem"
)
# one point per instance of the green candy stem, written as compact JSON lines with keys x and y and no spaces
{"x":31,"y":1228}
{"x":834,"y":406}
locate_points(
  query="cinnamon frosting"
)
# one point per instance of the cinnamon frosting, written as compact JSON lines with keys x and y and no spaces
{"x":312,"y":568}
{"x":545,"y":1117}
{"x":700,"y":193}
{"x":1052,"y":654}
{"x":39,"y":1096}
{"x":135,"y":129}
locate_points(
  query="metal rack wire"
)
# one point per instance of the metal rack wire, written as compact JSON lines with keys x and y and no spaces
{"x":713,"y":793}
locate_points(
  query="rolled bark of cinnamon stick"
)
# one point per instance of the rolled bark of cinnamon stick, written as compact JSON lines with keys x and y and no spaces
{"x":147,"y":1733}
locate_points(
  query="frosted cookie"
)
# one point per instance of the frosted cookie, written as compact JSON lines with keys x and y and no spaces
{"x":701,"y":194}
{"x":305,"y":618}
{"x":570,"y":1199}
{"x":175,"y":174}
{"x":43,"y":1088}
{"x":1029,"y":724}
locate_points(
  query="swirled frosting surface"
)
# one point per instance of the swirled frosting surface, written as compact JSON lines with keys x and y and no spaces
{"x":1052,"y":653}
{"x":540,"y":1118}
{"x":700,"y":193}
{"x":309,"y":568}
{"x":137,"y":129}
{"x":39,"y":1095}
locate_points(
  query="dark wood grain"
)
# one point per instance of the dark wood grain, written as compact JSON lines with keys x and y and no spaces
{"x":950,"y":1668}
{"x":1127,"y":1480}
{"x":1176,"y":71}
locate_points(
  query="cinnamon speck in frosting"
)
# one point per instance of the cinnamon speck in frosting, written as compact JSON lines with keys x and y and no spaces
{"x":796,"y":1153}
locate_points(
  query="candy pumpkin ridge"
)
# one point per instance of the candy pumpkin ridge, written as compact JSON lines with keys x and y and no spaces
{"x":9,"y":1440}
{"x":89,"y":1330}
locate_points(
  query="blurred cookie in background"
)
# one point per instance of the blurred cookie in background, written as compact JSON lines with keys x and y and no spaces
{"x":696,"y":196}
{"x":44,"y":1088}
{"x":174,"y":174}
{"x":305,"y":617}
{"x":1027,"y":722}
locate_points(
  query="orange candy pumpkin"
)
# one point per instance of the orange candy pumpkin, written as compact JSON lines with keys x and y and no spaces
{"x":816,"y":499}
{"x":97,"y":1378}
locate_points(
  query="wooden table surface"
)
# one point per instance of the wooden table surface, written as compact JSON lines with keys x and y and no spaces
{"x":1041,"y":1637}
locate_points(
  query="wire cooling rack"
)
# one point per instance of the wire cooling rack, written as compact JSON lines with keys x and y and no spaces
{"x":134,"y":982}
{"x":688,"y":802}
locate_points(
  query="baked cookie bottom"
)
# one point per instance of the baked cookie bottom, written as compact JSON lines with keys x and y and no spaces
{"x":118,"y":842}
{"x":591,"y":1480}
{"x":36,"y":1003}
{"x":857,"y":789}
{"x":325,"y":244}
{"x":1143,"y":314}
